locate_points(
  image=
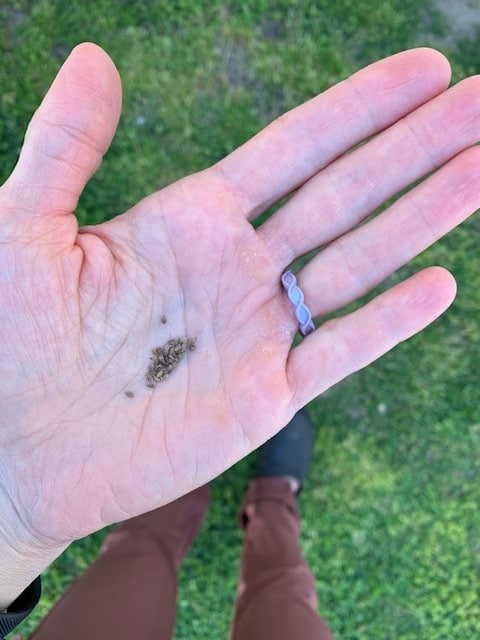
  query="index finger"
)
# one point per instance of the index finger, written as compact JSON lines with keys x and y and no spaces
{"x":301,"y":142}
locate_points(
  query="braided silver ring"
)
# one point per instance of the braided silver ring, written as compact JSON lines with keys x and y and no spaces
{"x":296,"y":297}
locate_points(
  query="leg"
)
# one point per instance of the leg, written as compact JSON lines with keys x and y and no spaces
{"x":130,"y":591}
{"x":277,"y":595}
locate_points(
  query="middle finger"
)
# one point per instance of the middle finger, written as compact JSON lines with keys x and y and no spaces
{"x":351,"y":188}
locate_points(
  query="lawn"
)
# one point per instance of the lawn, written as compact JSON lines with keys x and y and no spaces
{"x":391,"y":525}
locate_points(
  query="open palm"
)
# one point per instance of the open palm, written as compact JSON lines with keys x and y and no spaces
{"x":82,"y":309}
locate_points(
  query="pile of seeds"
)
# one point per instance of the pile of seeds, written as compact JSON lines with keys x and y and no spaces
{"x":166,"y":358}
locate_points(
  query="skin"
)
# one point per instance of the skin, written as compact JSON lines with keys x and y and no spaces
{"x":80,"y":309}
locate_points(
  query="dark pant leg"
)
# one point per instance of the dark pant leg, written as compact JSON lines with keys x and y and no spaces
{"x":129,"y":593}
{"x":277,"y":595}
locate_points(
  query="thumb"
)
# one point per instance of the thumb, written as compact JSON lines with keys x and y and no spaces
{"x":65,"y":142}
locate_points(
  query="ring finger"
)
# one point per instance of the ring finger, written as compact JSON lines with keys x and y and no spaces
{"x":358,"y":261}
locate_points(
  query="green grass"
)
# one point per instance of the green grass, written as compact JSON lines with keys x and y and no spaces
{"x":391,"y":525}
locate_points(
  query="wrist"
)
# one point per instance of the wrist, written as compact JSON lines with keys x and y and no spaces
{"x":24,"y":552}
{"x":20,"y":609}
{"x":23,"y":557}
{"x":20,"y":567}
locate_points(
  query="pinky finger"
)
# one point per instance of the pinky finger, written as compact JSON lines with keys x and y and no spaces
{"x":345,"y":345}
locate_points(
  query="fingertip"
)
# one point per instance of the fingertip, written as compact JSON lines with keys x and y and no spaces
{"x":422,"y":67}
{"x":424,"y":297}
{"x":93,"y":51}
{"x":444,"y":284}
{"x":434,"y":59}
{"x":89,"y":46}
{"x":92,"y":64}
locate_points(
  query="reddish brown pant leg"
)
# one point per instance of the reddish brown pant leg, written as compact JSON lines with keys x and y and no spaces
{"x":277,"y":595}
{"x":130,"y":591}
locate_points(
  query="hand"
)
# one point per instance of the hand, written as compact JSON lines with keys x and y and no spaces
{"x":81,"y":309}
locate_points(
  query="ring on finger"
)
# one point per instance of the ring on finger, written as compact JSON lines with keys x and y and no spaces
{"x":296,"y":297}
